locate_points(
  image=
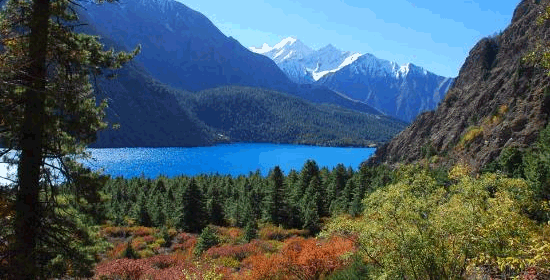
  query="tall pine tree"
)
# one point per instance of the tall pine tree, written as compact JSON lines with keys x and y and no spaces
{"x":48,"y":113}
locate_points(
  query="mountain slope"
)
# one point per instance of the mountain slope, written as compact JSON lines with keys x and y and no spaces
{"x":399,"y":91}
{"x":148,"y":113}
{"x":182,"y":48}
{"x":497,"y":101}
{"x":244,"y":114}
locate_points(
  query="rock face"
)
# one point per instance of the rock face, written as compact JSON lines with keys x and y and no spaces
{"x":498,"y":101}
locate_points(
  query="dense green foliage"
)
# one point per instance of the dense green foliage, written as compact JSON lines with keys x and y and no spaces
{"x":297,"y":200}
{"x":243,"y":114}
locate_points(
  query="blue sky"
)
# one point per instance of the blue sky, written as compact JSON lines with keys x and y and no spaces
{"x":434,"y":34}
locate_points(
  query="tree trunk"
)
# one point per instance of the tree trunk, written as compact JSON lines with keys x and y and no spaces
{"x":27,"y":208}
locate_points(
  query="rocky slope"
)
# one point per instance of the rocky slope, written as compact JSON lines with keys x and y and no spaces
{"x":497,"y":101}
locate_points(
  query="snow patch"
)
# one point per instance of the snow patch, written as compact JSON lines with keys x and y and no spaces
{"x":284,"y":42}
{"x":264,"y":49}
{"x":403,"y":70}
{"x":279,"y":53}
{"x":349,"y":60}
{"x":288,"y":55}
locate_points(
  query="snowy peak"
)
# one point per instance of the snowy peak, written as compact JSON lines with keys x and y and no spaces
{"x":265,"y":48}
{"x":288,"y":48}
{"x":303,"y":64}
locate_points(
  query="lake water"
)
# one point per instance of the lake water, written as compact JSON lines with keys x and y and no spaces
{"x":229,"y":159}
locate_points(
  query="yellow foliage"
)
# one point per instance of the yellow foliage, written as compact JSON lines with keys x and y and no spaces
{"x":460,"y":171}
{"x":419,"y":229}
{"x":471,"y":133}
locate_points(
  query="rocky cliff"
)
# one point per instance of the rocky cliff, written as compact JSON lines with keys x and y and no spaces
{"x":498,"y":100}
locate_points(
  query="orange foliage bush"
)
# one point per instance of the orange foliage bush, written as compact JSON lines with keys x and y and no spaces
{"x":185,"y":244}
{"x":157,"y":267}
{"x":162,"y":267}
{"x":271,"y":232}
{"x":112,"y":231}
{"x":117,"y":251}
{"x":299,"y":259}
{"x":240,"y":252}
{"x":229,"y":234}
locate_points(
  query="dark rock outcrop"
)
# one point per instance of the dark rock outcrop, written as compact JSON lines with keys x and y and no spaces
{"x":498,"y":100}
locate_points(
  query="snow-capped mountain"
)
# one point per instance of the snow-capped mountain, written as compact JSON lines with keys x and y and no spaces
{"x":301,"y":63}
{"x":402,"y":91}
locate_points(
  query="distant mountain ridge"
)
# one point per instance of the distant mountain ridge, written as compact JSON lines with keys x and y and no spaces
{"x":402,"y":91}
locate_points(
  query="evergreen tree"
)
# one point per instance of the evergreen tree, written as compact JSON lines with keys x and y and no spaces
{"x":275,"y":201}
{"x":292,"y":186}
{"x":47,"y":112}
{"x":192,"y":208}
{"x":206,"y":240}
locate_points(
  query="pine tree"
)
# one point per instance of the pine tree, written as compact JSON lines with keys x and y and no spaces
{"x":275,"y":202}
{"x":47,"y":112}
{"x":206,"y":240}
{"x":192,"y":208}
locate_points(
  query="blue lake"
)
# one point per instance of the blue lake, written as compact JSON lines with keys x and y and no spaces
{"x":230,"y":159}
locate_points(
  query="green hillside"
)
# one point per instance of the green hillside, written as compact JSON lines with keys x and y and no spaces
{"x":244,"y":114}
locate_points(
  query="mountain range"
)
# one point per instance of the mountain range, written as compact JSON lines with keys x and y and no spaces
{"x":184,"y":56}
{"x":401,"y":91}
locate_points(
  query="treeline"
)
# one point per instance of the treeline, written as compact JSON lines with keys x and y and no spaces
{"x":296,"y":200}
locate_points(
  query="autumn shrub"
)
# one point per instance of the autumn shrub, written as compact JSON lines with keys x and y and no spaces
{"x":185,"y":245}
{"x":238,"y":252}
{"x":113,"y":231}
{"x":271,"y":232}
{"x":471,"y":133}
{"x":300,"y":259}
{"x":230,"y":262}
{"x":117,"y":232}
{"x":159,"y":267}
{"x":142,"y":231}
{"x":232,"y":235}
{"x":241,"y":251}
{"x":139,"y":243}
{"x":117,"y":251}
{"x":419,"y":229}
